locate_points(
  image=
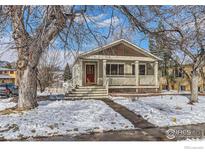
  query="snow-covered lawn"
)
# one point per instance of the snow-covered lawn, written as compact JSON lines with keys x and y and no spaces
{"x":61,"y":118}
{"x":167,"y":110}
{"x":47,"y":93}
{"x":175,"y":92}
{"x":5,"y":104}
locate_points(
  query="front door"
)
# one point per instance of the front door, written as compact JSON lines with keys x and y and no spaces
{"x":90,"y":74}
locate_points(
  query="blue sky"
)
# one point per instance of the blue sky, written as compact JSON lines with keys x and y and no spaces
{"x":102,"y":19}
{"x":99,"y":20}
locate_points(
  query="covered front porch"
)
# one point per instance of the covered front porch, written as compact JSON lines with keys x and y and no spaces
{"x":120,"y":73}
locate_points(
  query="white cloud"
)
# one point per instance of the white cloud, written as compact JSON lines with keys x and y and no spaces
{"x":106,"y":23}
{"x":99,"y":20}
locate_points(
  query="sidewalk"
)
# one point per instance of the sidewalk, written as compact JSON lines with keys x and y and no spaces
{"x":149,"y":134}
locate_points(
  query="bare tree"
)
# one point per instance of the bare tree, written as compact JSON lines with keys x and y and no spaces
{"x":49,"y":63}
{"x":202,"y":73}
{"x":183,"y":33}
{"x":35,"y":28}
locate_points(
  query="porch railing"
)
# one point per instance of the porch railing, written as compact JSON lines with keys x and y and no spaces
{"x":121,"y":80}
{"x":107,"y":84}
{"x":146,"y":80}
{"x":68,"y":86}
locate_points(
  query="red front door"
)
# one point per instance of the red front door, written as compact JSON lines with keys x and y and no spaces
{"x":90,"y":74}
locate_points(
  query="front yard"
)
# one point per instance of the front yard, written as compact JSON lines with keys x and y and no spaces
{"x":61,"y":118}
{"x":167,"y":110}
{"x":6,"y":104}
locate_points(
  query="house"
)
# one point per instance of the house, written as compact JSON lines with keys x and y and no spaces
{"x":178,"y":81}
{"x":117,"y":67}
{"x":7,"y":75}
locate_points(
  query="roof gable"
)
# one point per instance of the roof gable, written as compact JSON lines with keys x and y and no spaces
{"x":120,"y":48}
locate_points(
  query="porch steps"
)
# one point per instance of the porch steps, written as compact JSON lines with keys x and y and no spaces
{"x":90,"y":92}
{"x":91,"y":87}
{"x":84,"y":98}
{"x":87,"y":92}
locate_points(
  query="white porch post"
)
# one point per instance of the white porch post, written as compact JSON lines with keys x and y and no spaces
{"x":137,"y":73}
{"x":156,"y":73}
{"x":80,"y":72}
{"x":104,"y":72}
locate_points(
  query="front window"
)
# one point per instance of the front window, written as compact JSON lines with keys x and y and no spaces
{"x":133,"y":69}
{"x":108,"y":69}
{"x":121,"y":69}
{"x":142,"y":69}
{"x":114,"y":69}
{"x":182,"y":88}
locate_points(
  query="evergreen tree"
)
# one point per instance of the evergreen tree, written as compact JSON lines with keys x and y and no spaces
{"x":67,"y":73}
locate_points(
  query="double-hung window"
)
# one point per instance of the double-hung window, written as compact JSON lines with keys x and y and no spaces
{"x":142,"y":69}
{"x":114,"y":69}
{"x":133,"y":69}
{"x":179,"y":73}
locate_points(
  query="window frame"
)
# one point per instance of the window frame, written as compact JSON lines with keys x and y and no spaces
{"x":133,"y":69}
{"x":182,"y":88}
{"x":178,"y":73}
{"x":143,"y":64}
{"x":117,"y":69}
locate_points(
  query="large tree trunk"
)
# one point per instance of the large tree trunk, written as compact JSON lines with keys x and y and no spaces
{"x":27,"y":88}
{"x":194,"y":87}
{"x":30,"y":48}
{"x":168,"y":83}
{"x":203,"y":79}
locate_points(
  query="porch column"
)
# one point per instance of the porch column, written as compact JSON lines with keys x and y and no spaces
{"x":104,"y":72}
{"x":156,"y":73}
{"x":137,"y":72}
{"x":80,"y":72}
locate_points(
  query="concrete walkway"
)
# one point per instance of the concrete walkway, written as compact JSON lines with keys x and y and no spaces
{"x":137,"y":120}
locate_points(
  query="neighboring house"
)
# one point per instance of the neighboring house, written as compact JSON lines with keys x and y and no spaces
{"x":177,"y":80}
{"x":7,"y":75}
{"x":119,"y":67}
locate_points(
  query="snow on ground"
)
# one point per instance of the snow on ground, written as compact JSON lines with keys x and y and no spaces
{"x":5,"y":104}
{"x":61,"y":118}
{"x":47,"y":93}
{"x":167,"y":110}
{"x":175,"y":92}
{"x":52,"y":95}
